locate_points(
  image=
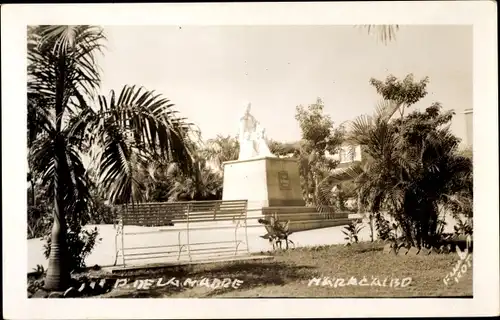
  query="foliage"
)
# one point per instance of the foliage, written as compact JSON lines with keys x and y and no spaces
{"x":402,"y":94}
{"x":39,"y":270}
{"x":411,"y":167}
{"x":347,"y":191}
{"x":39,"y":211}
{"x":384,"y":32}
{"x":80,"y":243}
{"x":39,"y":221}
{"x":65,"y":120}
{"x":384,"y":230}
{"x":352,"y":230}
{"x":466,"y":152}
{"x":398,"y":95}
{"x":165,"y":182}
{"x":203,"y":184}
{"x":463,"y":227}
{"x":461,"y":203}
{"x":221,"y":149}
{"x":284,"y":149}
{"x":393,"y":238}
{"x":133,"y":130}
{"x":319,"y":139}
{"x":103,"y":213}
{"x":276,"y":231}
{"x":416,"y":166}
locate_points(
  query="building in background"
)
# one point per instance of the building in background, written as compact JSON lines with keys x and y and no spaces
{"x":348,"y":155}
{"x":468,"y":127}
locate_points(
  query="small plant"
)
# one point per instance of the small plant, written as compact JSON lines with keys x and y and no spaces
{"x":463,"y":228}
{"x":39,"y":221}
{"x":352,"y":230}
{"x":80,"y":244}
{"x":277,"y":232}
{"x":39,"y":270}
{"x":392,"y":237}
{"x":383,"y":228}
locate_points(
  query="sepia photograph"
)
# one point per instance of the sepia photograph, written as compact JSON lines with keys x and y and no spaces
{"x":279,"y":160}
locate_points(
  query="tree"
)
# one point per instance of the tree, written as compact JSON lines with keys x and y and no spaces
{"x":384,"y":32}
{"x":283,"y":149}
{"x":221,"y":149}
{"x":319,"y":140}
{"x":63,"y":80}
{"x":399,"y":95}
{"x":203,"y":183}
{"x":413,"y":168}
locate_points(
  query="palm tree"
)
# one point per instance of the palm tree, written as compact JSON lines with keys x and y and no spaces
{"x":408,"y":172}
{"x":221,"y":149}
{"x":63,"y":80}
{"x":283,"y":149}
{"x":384,"y":32}
{"x":202,"y":184}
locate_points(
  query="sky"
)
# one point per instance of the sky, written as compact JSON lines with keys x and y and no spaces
{"x":209,"y":72}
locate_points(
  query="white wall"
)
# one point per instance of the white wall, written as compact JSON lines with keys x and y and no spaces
{"x":346,"y":155}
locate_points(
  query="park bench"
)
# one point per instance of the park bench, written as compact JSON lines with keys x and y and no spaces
{"x":185,"y":219}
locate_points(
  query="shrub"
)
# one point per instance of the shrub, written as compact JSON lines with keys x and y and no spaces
{"x":39,"y":221}
{"x":383,"y":228}
{"x":463,"y":227}
{"x":102,"y":213}
{"x":39,"y":211}
{"x":352,"y":230}
{"x":80,"y":243}
{"x":277,"y":231}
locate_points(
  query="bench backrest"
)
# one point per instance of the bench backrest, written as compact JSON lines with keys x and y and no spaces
{"x":168,"y":213}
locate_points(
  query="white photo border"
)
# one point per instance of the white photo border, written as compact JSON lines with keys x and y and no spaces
{"x":480,"y":14}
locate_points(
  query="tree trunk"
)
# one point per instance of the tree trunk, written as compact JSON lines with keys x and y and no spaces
{"x":359,"y":202}
{"x":58,"y":273}
{"x":370,"y":216}
{"x":33,"y":193}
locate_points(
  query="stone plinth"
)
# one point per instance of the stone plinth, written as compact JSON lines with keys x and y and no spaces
{"x":264,"y":182}
{"x":272,"y":187}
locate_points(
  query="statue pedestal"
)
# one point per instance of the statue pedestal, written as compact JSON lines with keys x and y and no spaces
{"x":264,"y":182}
{"x":272,"y":187}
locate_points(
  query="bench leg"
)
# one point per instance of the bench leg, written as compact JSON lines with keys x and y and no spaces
{"x":236,"y":238}
{"x":116,"y":258}
{"x":116,"y":249}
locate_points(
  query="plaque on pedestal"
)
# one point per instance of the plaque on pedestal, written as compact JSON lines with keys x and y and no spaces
{"x":264,"y":182}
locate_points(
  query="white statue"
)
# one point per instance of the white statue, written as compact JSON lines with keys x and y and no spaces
{"x":252,"y":137}
{"x":262,"y":147}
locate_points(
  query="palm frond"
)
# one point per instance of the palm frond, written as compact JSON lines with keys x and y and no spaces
{"x":383,"y":32}
{"x":385,"y":109}
{"x":138,"y":126}
{"x":62,"y":75}
{"x":359,"y":130}
{"x":78,"y":199}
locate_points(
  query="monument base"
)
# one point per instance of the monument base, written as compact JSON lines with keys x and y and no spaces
{"x":264,"y":182}
{"x":272,"y":187}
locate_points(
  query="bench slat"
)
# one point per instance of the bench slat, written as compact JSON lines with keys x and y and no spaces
{"x":164,"y":216}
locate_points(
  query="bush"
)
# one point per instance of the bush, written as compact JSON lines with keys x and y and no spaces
{"x":352,"y":230}
{"x":39,"y":212}
{"x":383,"y":227}
{"x":39,"y":221}
{"x":463,"y":227}
{"x":80,"y":244}
{"x":102,"y":212}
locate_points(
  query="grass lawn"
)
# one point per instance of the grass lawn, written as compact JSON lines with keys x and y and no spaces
{"x":289,"y":275}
